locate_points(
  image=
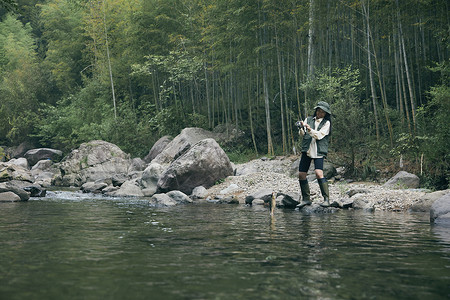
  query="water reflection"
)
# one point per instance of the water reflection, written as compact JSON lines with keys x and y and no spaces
{"x":442,"y":233}
{"x":95,"y":248}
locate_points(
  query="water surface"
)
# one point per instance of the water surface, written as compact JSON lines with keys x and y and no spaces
{"x":72,"y":246}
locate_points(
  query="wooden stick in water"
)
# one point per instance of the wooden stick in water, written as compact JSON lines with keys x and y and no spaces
{"x":273,"y":203}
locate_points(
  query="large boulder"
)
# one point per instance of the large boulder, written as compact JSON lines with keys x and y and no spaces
{"x":204,"y":164}
{"x":44,"y":171}
{"x":93,"y":161}
{"x":16,"y":188}
{"x":182,"y":143}
{"x":35,"y":155}
{"x":440,"y":210}
{"x":424,"y":204}
{"x":403,"y":180}
{"x":11,"y":171}
{"x":157,"y":148}
{"x":150,"y":177}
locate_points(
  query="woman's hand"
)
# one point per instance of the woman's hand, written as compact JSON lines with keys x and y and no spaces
{"x":308,"y":128}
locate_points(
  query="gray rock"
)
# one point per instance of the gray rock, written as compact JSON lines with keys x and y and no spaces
{"x":118,"y":179}
{"x":137,"y":164}
{"x":9,"y":197}
{"x":109,"y":189}
{"x":157,"y":148}
{"x":44,"y":172}
{"x":361,"y":202}
{"x":13,"y":186}
{"x":151,"y":175}
{"x":162,"y":200}
{"x":179,"y":197}
{"x":93,"y":187}
{"x":34,"y":190}
{"x":35,"y":155}
{"x":424,"y":204}
{"x":263,"y":194}
{"x":440,"y":210}
{"x":21,"y":162}
{"x":148,"y":192}
{"x":14,"y":172}
{"x":346,"y":203}
{"x":289,"y":200}
{"x":42,"y":165}
{"x":230,"y":189}
{"x":204,"y":164}
{"x":245,"y":170}
{"x":92,"y":161}
{"x":403,"y":180}
{"x":181,"y":144}
{"x":199,"y":192}
{"x":129,"y":188}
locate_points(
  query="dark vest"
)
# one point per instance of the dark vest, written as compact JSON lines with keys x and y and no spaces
{"x":322,"y":145}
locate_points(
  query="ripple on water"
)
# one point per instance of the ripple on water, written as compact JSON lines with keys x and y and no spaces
{"x":76,"y":244}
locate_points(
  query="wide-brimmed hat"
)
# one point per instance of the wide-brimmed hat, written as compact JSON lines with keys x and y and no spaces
{"x":323,"y":105}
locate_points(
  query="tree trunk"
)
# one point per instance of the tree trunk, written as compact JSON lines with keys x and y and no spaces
{"x":408,"y":75}
{"x":283,"y":129}
{"x":311,"y":40}
{"x":369,"y":65}
{"x":270,"y":151}
{"x":109,"y":61}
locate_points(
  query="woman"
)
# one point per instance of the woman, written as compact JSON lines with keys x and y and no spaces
{"x":315,"y":131}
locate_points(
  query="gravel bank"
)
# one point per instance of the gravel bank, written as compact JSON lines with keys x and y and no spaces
{"x":275,"y":174}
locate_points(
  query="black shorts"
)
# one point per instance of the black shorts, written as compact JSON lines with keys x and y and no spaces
{"x":305,"y":162}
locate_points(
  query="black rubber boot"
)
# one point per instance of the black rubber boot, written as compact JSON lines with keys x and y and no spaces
{"x":323,"y":184}
{"x":306,"y":195}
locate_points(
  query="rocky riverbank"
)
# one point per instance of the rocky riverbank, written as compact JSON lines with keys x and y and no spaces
{"x":278,"y":175}
{"x":193,"y":167}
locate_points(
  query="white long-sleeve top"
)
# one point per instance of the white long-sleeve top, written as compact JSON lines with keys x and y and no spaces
{"x":316,"y":135}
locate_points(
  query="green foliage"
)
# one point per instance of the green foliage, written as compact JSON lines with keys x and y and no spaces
{"x":63,"y":30}
{"x":76,"y":118}
{"x":2,"y":154}
{"x":240,"y":155}
{"x":178,"y":63}
{"x":435,"y":127}
{"x":20,"y":80}
{"x":408,"y":146}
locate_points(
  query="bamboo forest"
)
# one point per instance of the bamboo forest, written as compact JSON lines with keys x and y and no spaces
{"x":131,"y":71}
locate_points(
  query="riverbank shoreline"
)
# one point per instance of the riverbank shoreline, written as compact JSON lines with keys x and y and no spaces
{"x":277,"y":175}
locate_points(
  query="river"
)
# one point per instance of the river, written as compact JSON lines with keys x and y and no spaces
{"x":78,"y":246}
